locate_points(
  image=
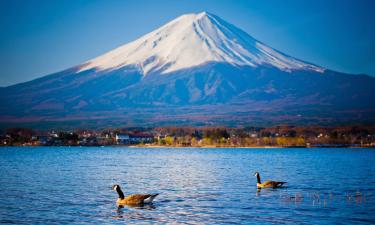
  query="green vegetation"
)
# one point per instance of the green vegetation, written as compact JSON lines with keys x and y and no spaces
{"x":276,"y":136}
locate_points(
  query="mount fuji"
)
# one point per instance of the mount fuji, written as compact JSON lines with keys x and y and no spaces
{"x":195,"y":70}
{"x":192,"y":40}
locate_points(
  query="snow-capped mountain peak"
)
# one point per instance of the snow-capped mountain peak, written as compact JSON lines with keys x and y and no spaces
{"x":193,"y":40}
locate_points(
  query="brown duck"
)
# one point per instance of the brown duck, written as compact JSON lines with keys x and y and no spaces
{"x":268,"y":183}
{"x":133,"y":200}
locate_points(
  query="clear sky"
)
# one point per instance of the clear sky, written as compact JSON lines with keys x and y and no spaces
{"x":41,"y":37}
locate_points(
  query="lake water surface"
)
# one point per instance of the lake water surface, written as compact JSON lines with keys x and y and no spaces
{"x":62,"y":185}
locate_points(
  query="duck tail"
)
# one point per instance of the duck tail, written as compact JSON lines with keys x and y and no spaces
{"x":150,"y":198}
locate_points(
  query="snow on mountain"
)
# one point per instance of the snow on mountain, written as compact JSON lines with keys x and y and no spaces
{"x":192,"y":40}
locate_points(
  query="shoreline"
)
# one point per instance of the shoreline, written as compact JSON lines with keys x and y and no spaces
{"x":186,"y":147}
{"x":162,"y":146}
{"x":265,"y":147}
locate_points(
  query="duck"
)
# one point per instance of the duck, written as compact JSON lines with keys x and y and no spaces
{"x":133,"y":200}
{"x":268,"y":183}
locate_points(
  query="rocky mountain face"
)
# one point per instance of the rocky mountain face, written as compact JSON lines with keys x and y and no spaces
{"x":195,"y":70}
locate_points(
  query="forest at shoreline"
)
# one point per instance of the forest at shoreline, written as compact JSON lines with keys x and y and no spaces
{"x":172,"y":136}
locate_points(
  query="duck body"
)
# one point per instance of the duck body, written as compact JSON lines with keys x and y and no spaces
{"x":137,"y":199}
{"x":133,"y":200}
{"x":268,"y":183}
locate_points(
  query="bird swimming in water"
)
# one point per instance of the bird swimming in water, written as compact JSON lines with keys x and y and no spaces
{"x":268,"y":183}
{"x":133,"y":200}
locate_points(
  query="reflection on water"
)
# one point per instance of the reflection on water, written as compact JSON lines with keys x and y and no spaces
{"x":144,"y":207}
{"x":72,"y":185}
{"x":136,"y":214}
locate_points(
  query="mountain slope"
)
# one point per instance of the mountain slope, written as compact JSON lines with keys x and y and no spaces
{"x":192,"y":40}
{"x":197,"y":69}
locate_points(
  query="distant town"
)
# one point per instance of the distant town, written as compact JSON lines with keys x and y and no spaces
{"x":276,"y":136}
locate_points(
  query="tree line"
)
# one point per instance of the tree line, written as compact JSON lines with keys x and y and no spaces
{"x":278,"y":136}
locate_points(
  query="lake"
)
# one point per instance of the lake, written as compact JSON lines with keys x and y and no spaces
{"x":71,"y":185}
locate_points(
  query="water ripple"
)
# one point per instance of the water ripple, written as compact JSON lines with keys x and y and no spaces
{"x":197,"y":186}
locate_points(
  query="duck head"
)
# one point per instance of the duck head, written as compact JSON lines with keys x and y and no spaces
{"x":256,"y":174}
{"x":117,"y":188}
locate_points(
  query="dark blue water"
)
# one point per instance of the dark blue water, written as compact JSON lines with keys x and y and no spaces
{"x":62,"y":185}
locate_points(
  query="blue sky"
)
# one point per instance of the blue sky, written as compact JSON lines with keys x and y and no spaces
{"x":41,"y":37}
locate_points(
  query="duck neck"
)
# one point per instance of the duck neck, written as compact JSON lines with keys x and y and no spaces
{"x":258,"y":179}
{"x":120,"y":193}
